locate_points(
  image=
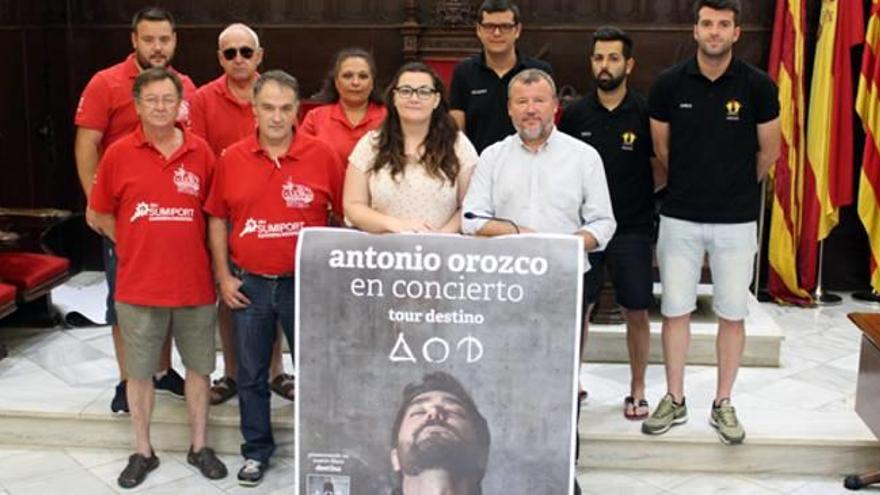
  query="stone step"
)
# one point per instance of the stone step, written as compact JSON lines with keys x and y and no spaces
{"x":829,"y":443}
{"x":607,"y":343}
{"x":96,"y":427}
{"x":809,"y":443}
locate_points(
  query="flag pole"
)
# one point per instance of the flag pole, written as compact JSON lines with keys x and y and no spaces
{"x":824,"y":298}
{"x":762,"y":296}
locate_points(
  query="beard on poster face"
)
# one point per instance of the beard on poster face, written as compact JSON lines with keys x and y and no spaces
{"x":438,"y":449}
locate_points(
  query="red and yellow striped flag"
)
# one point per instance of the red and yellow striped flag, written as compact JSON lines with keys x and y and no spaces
{"x":868,"y":108}
{"x":787,"y":69}
{"x":829,"y":170}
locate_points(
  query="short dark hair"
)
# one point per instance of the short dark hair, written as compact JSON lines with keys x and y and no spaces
{"x":279,"y":77}
{"x":329,"y":93}
{"x":733,"y":5}
{"x":493,"y":6}
{"x":153,"y":75}
{"x":443,"y":382}
{"x":614,"y":33}
{"x":154,"y":14}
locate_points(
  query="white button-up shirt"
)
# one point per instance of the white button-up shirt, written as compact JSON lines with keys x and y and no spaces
{"x":558,"y":189}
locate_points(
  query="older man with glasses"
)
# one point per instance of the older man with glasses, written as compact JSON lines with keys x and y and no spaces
{"x":148,"y":198}
{"x":478,"y":92}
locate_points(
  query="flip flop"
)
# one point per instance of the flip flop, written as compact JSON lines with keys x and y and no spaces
{"x":222,"y":390}
{"x":285,"y":386}
{"x":629,"y":403}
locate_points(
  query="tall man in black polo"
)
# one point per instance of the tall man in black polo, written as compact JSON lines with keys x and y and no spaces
{"x":715,"y":125}
{"x":614,"y":120}
{"x":478,"y":92}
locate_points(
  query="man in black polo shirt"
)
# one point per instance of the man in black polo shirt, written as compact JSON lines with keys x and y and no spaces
{"x":715,"y":124}
{"x":478,"y":92}
{"x":614,"y":120}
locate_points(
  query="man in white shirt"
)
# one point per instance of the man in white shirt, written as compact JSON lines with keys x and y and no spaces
{"x":539,"y":179}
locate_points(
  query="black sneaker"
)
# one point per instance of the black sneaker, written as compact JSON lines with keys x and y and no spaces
{"x":170,"y":383}
{"x":251,"y":474}
{"x":137,"y":469}
{"x":119,"y":404}
{"x":209,"y":465}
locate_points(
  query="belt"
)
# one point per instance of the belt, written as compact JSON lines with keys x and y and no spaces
{"x":266,"y":276}
{"x":280,"y":276}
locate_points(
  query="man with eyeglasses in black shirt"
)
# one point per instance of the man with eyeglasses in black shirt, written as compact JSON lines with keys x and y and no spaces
{"x":478,"y":92}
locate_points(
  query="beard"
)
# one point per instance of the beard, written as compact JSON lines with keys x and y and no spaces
{"x":534,"y":133}
{"x":611,"y":83}
{"x":146,"y":63}
{"x":453,"y":454}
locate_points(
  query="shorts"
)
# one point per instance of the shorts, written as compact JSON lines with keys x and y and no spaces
{"x":629,"y":258}
{"x":108,"y":254}
{"x":681,"y":247}
{"x":144,"y":329}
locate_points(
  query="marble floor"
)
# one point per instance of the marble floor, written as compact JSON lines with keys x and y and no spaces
{"x":62,"y":371}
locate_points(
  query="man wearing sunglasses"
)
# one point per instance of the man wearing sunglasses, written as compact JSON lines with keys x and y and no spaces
{"x":221,"y":109}
{"x":106,"y":112}
{"x":222,"y":113}
{"x":478,"y":92}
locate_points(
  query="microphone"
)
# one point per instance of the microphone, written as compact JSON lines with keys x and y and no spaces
{"x":469,"y":215}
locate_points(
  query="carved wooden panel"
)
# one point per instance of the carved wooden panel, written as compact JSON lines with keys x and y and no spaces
{"x":253,"y":11}
{"x":597,"y":12}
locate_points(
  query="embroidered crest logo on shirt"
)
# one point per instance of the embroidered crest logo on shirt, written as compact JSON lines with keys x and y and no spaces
{"x":183,"y":113}
{"x":155,"y":213}
{"x":296,"y":195}
{"x":733,"y":107}
{"x":266,"y":230}
{"x":628,"y":140}
{"x":186,"y":182}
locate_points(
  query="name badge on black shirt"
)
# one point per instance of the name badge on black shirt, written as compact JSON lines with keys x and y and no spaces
{"x":476,"y":92}
{"x":733,"y":108}
{"x":628,"y":140}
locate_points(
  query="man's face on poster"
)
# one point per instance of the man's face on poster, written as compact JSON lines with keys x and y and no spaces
{"x":437,"y":432}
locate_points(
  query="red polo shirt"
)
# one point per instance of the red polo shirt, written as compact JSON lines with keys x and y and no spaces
{"x":329,"y":124}
{"x":219,"y":117}
{"x":160,"y":227}
{"x":107,"y":105}
{"x":268,"y":201}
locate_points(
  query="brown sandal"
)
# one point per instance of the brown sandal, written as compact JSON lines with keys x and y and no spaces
{"x":285,"y":386}
{"x":630,"y":404}
{"x":222,"y":390}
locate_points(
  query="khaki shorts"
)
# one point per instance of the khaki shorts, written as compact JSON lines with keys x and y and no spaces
{"x":144,"y":329}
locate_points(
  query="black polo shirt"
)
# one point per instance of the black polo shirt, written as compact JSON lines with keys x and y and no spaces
{"x":478,"y":91}
{"x":623,"y":138}
{"x":713,"y":139}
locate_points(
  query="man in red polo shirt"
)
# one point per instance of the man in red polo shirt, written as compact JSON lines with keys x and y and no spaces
{"x":106,"y":112}
{"x":266,"y":188}
{"x":222,"y":113}
{"x":148,"y":198}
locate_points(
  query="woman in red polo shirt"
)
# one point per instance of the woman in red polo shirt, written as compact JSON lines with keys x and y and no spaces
{"x":411,"y":174}
{"x":353,"y":107}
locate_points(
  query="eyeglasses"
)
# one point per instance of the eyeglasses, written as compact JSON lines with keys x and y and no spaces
{"x":246,"y":53}
{"x":505,"y":28}
{"x":422,"y":92}
{"x":155,"y":101}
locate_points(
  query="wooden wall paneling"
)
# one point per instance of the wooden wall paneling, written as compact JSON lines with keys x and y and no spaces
{"x":51,"y":131}
{"x":16,"y":169}
{"x":295,"y":50}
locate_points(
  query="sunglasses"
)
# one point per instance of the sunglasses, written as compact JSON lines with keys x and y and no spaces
{"x":246,"y":53}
